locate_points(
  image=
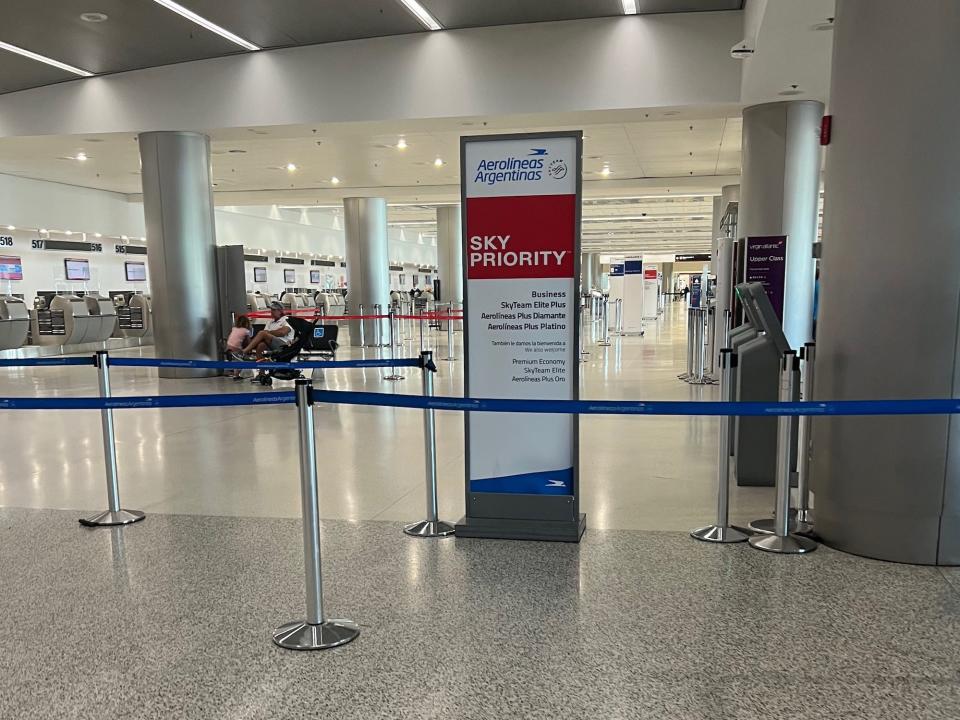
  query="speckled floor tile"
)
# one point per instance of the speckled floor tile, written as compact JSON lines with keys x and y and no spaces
{"x":171,"y":618}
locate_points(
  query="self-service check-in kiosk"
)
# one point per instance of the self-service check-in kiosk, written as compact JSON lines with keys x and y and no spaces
{"x":14,"y":322}
{"x":759,"y":344}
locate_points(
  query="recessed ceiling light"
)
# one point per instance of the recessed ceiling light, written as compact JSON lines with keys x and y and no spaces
{"x":43,"y":230}
{"x":143,"y":239}
{"x":93,"y":17}
{"x":401,"y":144}
{"x":68,"y":232}
{"x":629,"y":7}
{"x":790,"y":91}
{"x":124,"y":238}
{"x":203,"y":22}
{"x":291,"y":167}
{"x":97,"y":235}
{"x":81,"y":156}
{"x":421,"y":14}
{"x":44,"y":59}
{"x":438,"y":162}
{"x":606,"y":171}
{"x":10,"y":227}
{"x":335,"y":180}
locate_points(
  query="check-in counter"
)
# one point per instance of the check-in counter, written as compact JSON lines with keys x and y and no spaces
{"x":134,"y":316}
{"x":333,"y":304}
{"x":292,"y":301}
{"x":103,"y":318}
{"x":61,"y":320}
{"x":14,"y":322}
{"x":257,"y":302}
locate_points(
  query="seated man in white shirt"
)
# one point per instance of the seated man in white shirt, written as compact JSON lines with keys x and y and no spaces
{"x":275,"y":336}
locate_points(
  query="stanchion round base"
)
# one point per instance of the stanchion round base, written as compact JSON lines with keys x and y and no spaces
{"x":301,"y":635}
{"x":449,"y":359}
{"x":717,"y":534}
{"x":604,"y":343}
{"x":789,"y":545}
{"x":429,"y":528}
{"x":394,"y":377}
{"x":765,"y":526}
{"x":109,"y":517}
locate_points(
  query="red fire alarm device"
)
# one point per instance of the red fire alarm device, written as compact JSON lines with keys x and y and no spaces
{"x":825,"y":126}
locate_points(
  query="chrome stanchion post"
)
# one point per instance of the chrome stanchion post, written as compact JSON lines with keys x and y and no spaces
{"x":362,"y":321}
{"x":804,"y":513}
{"x":605,"y":319}
{"x":114,"y":514}
{"x":619,"y":316}
{"x":377,"y":326}
{"x":727,"y":322}
{"x":433,"y":526}
{"x":583,"y":307}
{"x":782,"y":540}
{"x":451,"y":356}
{"x":422,"y":346}
{"x":394,"y":375}
{"x":689,"y":373}
{"x":315,"y":632}
{"x":721,"y":531}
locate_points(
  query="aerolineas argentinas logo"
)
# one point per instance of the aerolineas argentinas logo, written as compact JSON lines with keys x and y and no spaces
{"x":520,"y":169}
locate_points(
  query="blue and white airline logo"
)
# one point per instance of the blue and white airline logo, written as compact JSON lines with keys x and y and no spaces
{"x":516,"y":169}
{"x":555,"y":483}
{"x":557,"y":169}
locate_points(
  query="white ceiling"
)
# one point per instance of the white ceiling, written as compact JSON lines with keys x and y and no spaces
{"x":685,"y":153}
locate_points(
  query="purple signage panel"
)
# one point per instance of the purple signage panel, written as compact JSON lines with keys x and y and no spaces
{"x":766,"y":263}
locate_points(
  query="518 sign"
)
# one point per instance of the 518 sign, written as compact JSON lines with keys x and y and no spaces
{"x":6,"y":241}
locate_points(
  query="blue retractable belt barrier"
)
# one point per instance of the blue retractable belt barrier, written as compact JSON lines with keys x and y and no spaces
{"x":235,"y":365}
{"x":657,"y":407}
{"x":148,"y":401}
{"x":39,"y":362}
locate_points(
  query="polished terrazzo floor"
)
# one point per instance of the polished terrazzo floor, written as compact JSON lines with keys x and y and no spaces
{"x":171,"y":618}
{"x":639,"y":472}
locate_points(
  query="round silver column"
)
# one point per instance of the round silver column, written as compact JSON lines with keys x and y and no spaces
{"x":780,"y":189}
{"x":889,"y":486}
{"x":368,"y":268}
{"x":181,"y":247}
{"x":450,"y":253}
{"x":586,"y":274}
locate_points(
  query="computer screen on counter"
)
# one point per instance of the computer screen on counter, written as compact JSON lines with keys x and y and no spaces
{"x":11,"y":268}
{"x":76,"y":269}
{"x":136,"y":271}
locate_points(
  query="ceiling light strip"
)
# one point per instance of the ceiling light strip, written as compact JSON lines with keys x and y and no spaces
{"x":203,"y":22}
{"x":42,"y":58}
{"x":421,"y":14}
{"x":629,"y":7}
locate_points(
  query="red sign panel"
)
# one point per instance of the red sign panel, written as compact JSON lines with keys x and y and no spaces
{"x":530,"y":236}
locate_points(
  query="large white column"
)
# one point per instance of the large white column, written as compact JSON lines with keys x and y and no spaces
{"x":450,"y":253}
{"x":181,"y":247}
{"x":780,"y":189}
{"x":889,"y":486}
{"x":368,"y":267}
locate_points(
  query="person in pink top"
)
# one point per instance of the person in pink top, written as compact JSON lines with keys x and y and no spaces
{"x":239,"y":336}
